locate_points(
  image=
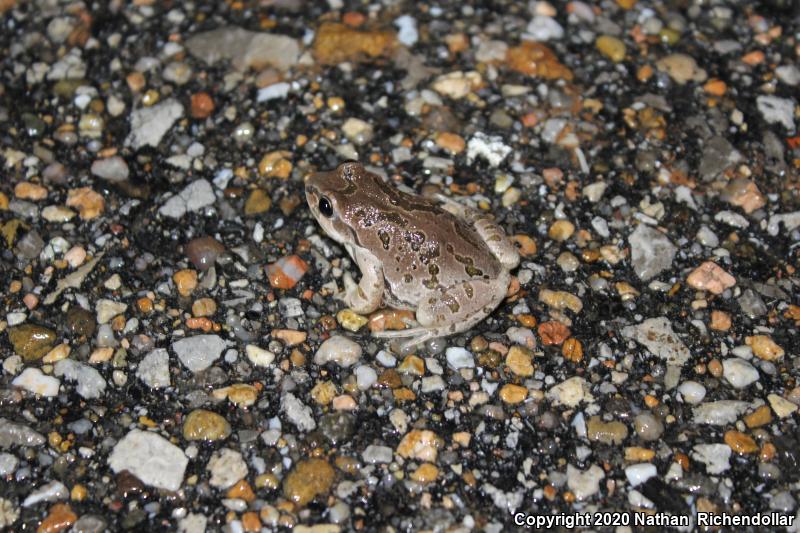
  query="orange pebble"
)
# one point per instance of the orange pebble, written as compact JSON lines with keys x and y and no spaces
{"x":715,"y":87}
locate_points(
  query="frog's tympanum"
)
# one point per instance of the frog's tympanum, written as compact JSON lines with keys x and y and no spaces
{"x":447,"y":262}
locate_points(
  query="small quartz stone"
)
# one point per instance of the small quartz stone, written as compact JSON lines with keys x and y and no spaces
{"x":226,"y":468}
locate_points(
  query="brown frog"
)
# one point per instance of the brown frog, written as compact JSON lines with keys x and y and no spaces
{"x":445,"y":261}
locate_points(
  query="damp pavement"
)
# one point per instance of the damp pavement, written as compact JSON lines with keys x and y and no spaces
{"x":172,"y":354}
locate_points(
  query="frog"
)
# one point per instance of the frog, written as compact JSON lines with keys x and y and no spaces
{"x":448,"y":263}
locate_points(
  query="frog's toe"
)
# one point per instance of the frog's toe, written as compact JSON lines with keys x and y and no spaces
{"x":415,"y":336}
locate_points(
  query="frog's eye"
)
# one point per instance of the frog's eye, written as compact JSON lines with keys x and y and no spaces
{"x":325,"y":207}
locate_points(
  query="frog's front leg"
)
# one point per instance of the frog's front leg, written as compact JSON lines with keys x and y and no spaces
{"x":456,"y":309}
{"x":365,"y":297}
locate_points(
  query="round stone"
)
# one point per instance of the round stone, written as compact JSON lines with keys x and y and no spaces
{"x":205,"y":425}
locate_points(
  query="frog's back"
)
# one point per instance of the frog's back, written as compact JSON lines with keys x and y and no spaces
{"x":422,"y":246}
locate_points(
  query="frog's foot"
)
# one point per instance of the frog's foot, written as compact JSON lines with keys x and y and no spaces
{"x":415,"y":336}
{"x":359,"y":299}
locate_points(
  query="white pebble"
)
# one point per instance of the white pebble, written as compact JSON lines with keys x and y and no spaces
{"x":692,"y":392}
{"x":458,"y":358}
{"x":338,"y":349}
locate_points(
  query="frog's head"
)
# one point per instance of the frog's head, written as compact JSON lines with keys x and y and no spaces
{"x":331,"y":197}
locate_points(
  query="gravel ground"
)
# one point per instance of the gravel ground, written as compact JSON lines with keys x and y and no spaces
{"x":172,"y":354}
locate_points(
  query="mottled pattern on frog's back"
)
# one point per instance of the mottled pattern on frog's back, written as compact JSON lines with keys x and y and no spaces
{"x":419,"y":256}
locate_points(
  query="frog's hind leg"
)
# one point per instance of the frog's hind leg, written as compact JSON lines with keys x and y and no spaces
{"x":491,"y":233}
{"x":457,"y":309}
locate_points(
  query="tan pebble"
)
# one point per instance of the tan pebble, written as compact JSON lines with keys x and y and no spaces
{"x":201,"y":424}
{"x":560,"y":300}
{"x":241,"y":394}
{"x":767,"y":452}
{"x":704,"y":505}
{"x":561,"y":230}
{"x":681,"y":68}
{"x":625,"y":290}
{"x":78,"y":493}
{"x":457,"y":84}
{"x":421,"y":444}
{"x":525,"y":245}
{"x":75,"y":256}
{"x":720,"y":320}
{"x":740,"y":442}
{"x":135,"y":81}
{"x":89,"y":203}
{"x":307,"y":480}
{"x":637,"y":454}
{"x":30,"y":191}
{"x":426,"y":473}
{"x":101,"y":355}
{"x":538,"y":60}
{"x":241,"y":490}
{"x":764,"y":347}
{"x":31,"y":301}
{"x":513,"y":394}
{"x":611,"y":254}
{"x":185,"y":281}
{"x":404,"y":394}
{"x":290,"y":337}
{"x":267,"y":481}
{"x":344,"y":402}
{"x":60,"y":517}
{"x":519,"y":362}
{"x":456,"y":42}
{"x":611,"y":47}
{"x":606,"y":432}
{"x":715,"y":368}
{"x":323,"y":392}
{"x":781,"y":405}
{"x":452,"y":142}
{"x":760,"y":417}
{"x":276,"y":164}
{"x":3,"y":202}
{"x":204,"y":307}
{"x":350,"y":320}
{"x":412,"y":365}
{"x":710,"y":277}
{"x":251,"y":523}
{"x":257,"y":202}
{"x":336,"y":103}
{"x":145,"y":305}
{"x":744,"y":193}
{"x":462,"y":438}
{"x":572,"y":350}
{"x":57,"y":354}
{"x":336,"y":43}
